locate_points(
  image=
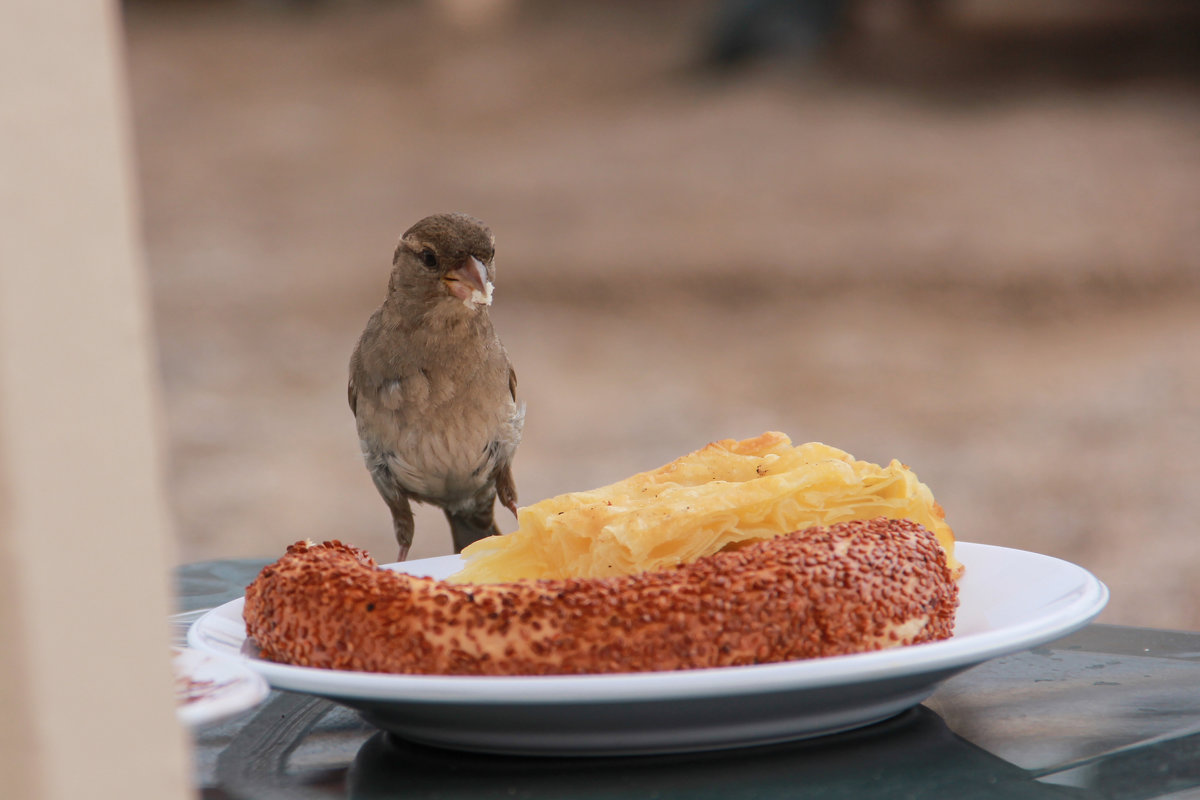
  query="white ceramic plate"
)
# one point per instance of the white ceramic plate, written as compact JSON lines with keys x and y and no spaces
{"x":210,"y":688}
{"x":1010,"y":600}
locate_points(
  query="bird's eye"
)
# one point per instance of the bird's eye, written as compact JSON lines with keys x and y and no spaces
{"x":429,"y":258}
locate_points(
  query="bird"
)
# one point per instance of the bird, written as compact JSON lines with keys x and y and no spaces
{"x":431,"y":387}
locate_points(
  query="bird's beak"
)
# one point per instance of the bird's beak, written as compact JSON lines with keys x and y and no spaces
{"x":469,"y":283}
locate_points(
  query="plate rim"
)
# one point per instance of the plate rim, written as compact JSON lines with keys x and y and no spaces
{"x":1080,"y":605}
{"x":245,"y":688}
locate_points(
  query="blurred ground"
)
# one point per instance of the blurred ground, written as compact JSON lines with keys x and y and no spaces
{"x":972,"y":247}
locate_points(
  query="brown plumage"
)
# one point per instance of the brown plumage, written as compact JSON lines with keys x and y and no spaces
{"x":431,"y":387}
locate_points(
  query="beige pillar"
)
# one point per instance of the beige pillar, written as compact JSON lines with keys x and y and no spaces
{"x":85,"y":682}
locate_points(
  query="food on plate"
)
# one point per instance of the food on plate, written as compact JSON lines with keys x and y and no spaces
{"x":850,"y":587}
{"x":728,"y":492}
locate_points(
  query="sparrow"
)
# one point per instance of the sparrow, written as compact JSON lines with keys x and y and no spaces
{"x":433,"y":393}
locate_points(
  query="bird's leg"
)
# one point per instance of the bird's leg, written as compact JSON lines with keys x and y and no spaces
{"x":402,"y":524}
{"x":506,"y":488}
{"x":397,"y":503}
{"x":471,"y":526}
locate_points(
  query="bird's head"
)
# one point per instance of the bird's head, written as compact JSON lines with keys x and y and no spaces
{"x":445,"y":258}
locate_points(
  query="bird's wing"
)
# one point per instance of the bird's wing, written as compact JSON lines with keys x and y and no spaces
{"x":512,"y":382}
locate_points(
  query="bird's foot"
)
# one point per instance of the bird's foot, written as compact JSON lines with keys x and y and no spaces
{"x":403,"y":555}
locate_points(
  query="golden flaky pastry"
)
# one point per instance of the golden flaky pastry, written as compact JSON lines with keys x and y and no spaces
{"x":728,"y":492}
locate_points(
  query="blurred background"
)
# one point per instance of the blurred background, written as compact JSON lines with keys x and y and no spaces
{"x":961,"y":234}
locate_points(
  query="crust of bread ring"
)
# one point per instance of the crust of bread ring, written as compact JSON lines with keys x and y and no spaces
{"x":852,"y":587}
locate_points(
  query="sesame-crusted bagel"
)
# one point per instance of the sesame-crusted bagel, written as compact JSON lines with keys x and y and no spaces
{"x":852,"y":587}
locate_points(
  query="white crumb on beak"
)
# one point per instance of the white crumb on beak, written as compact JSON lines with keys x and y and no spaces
{"x":479,"y":298}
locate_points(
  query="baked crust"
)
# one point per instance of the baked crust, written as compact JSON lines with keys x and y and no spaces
{"x":852,"y":587}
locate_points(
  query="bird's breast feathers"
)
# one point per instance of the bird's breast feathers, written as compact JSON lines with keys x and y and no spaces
{"x":450,"y":466}
{"x":437,"y":445}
